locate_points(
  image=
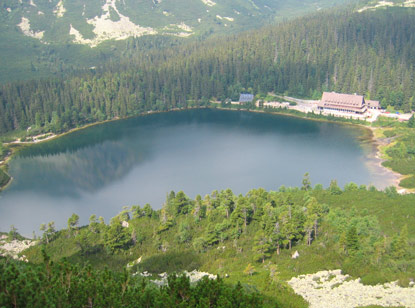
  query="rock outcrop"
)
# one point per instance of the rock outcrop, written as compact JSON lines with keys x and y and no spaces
{"x":331,"y":289}
{"x":14,"y":248}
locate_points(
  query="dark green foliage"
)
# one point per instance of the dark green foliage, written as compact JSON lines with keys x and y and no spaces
{"x":117,"y":237}
{"x":411,"y":122}
{"x":290,"y":58}
{"x":354,"y":230}
{"x":170,"y":262}
{"x":64,"y":285}
{"x":400,"y":244}
{"x":389,"y":133}
{"x":352,"y":241}
{"x":408,"y":182}
{"x":4,"y":178}
{"x":261,"y":247}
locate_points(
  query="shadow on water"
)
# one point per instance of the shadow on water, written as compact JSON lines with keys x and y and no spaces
{"x":90,"y":159}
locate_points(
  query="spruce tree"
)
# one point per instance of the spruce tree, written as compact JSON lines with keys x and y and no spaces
{"x":411,"y":122}
{"x":352,"y":241}
{"x":400,"y":245}
{"x":261,"y":247}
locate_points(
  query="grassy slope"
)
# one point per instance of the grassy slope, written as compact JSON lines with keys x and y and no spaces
{"x":392,"y":212}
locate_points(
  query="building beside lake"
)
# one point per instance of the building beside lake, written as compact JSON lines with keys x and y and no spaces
{"x":349,"y":103}
{"x":246,"y":98}
{"x":373,"y":105}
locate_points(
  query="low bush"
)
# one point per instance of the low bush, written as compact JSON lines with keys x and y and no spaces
{"x":170,"y":262}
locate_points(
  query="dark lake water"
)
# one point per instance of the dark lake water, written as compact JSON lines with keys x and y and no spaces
{"x":100,"y":169}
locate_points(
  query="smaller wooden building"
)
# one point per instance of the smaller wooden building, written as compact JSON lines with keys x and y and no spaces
{"x":246,"y":98}
{"x":373,"y":105}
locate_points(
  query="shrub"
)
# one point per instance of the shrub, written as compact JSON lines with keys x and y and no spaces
{"x":170,"y":262}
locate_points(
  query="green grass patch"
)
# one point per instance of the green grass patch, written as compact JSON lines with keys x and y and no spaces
{"x":408,"y":182}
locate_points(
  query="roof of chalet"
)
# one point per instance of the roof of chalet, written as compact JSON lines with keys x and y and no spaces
{"x":342,"y":101}
{"x":246,"y":98}
{"x":372,"y":103}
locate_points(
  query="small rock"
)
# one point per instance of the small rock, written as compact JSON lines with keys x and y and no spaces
{"x":295,"y":255}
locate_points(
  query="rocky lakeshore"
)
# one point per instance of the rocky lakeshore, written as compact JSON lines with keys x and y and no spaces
{"x":332,"y":289}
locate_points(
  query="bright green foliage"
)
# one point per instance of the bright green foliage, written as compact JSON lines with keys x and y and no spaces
{"x":334,"y":188}
{"x":351,"y":187}
{"x":73,"y":221}
{"x":93,"y":223}
{"x":306,"y":182}
{"x":249,"y":270}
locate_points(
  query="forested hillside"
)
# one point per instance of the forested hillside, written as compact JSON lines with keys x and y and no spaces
{"x":371,"y":53}
{"x":250,"y":238}
{"x":54,"y":37}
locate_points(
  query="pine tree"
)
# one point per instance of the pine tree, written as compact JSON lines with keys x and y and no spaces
{"x":306,"y":182}
{"x":261,"y":247}
{"x":343,"y":242}
{"x":411,"y":122}
{"x":400,"y":245}
{"x":73,"y":221}
{"x":352,"y":241}
{"x":334,"y":188}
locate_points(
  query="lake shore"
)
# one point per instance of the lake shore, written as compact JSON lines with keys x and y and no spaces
{"x":377,"y":144}
{"x":376,"y":155}
{"x":381,"y":144}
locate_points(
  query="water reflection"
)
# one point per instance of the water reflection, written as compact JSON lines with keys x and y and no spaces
{"x":100,"y":169}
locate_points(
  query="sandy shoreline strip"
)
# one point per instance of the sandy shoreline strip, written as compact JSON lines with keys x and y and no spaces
{"x":379,"y":144}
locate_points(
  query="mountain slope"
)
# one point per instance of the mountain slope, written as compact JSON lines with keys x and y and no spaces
{"x":93,"y":22}
{"x":37,"y":34}
{"x":370,"y":53}
{"x":381,"y":4}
